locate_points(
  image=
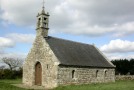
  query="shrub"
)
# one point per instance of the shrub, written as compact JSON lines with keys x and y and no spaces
{"x":8,"y":74}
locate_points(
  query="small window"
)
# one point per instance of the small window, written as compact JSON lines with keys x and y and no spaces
{"x":105,"y":73}
{"x":47,"y":66}
{"x":73,"y":73}
{"x":39,"y":19}
{"x":97,"y":73}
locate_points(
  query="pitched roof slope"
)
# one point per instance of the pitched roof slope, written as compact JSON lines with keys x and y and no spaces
{"x":77,"y":54}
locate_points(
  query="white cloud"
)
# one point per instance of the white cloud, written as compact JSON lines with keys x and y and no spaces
{"x":80,"y":17}
{"x":21,"y":38}
{"x":119,"y":56}
{"x":124,"y":29}
{"x":20,"y":12}
{"x":13,"y":55}
{"x":75,"y":16}
{"x":6,"y":43}
{"x":10,"y":40}
{"x":118,"y":46}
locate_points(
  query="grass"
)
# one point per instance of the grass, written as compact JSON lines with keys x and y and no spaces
{"x":7,"y":84}
{"x":118,"y":85}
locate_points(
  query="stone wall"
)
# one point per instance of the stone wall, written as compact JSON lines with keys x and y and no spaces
{"x":124,"y":77}
{"x":42,"y":53}
{"x":71,"y":75}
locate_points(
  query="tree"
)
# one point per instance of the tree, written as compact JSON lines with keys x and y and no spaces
{"x":132,"y":66}
{"x":124,"y":66}
{"x":12,"y":62}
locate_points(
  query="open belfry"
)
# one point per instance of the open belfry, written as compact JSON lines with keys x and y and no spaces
{"x":52,"y":61}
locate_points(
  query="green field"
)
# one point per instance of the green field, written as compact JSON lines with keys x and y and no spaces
{"x":7,"y":84}
{"x":118,"y":85}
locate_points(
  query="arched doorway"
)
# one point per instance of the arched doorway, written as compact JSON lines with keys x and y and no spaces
{"x":38,"y":74}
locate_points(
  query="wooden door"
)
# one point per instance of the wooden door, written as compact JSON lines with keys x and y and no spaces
{"x":38,"y":74}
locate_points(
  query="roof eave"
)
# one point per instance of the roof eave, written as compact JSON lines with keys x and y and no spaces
{"x":79,"y":66}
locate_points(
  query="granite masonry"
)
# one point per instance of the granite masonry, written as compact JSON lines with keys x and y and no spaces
{"x":52,"y":61}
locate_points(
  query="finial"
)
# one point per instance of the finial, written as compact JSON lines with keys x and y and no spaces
{"x":43,"y":4}
{"x":43,"y":11}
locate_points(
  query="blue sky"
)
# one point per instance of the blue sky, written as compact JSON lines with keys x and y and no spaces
{"x":109,"y":24}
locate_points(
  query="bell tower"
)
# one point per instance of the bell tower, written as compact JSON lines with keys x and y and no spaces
{"x":43,"y":22}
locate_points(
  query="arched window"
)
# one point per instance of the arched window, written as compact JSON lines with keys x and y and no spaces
{"x":105,"y":73}
{"x":97,"y":73}
{"x":47,"y":66}
{"x":73,"y":73}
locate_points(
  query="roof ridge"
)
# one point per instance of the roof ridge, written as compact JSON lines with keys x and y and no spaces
{"x":69,"y":40}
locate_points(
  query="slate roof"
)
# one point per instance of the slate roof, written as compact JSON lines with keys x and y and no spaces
{"x":72,"y":53}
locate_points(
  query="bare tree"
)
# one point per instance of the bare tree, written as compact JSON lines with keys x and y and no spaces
{"x":2,"y":67}
{"x":13,"y":63}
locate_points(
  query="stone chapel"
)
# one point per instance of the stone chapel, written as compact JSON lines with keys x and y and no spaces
{"x":54,"y":61}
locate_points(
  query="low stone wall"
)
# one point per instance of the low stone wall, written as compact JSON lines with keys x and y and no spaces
{"x":124,"y":77}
